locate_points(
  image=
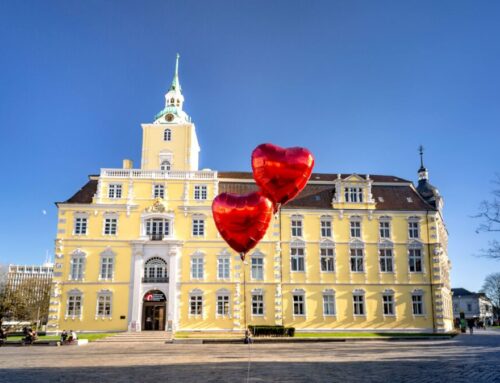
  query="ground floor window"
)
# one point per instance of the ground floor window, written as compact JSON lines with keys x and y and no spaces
{"x":223,"y":305}
{"x":328,"y":304}
{"x":359,"y":304}
{"x":418,"y":304}
{"x":298,"y":304}
{"x":196,"y":304}
{"x":74,"y":308}
{"x":104,"y":305}
{"x":388,"y":302}
{"x":257,"y":304}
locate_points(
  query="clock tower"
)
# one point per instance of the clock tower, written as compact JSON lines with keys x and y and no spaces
{"x":170,"y":142}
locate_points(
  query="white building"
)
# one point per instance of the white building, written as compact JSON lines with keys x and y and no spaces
{"x":471,"y":305}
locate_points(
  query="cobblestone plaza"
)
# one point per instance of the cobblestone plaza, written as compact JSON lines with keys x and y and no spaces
{"x":462,"y":359}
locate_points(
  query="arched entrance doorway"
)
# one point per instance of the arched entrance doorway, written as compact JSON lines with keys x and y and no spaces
{"x":154,"y":311}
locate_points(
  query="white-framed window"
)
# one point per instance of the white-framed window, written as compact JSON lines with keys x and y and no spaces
{"x":104,"y":304}
{"x":328,"y":303}
{"x":417,"y":299}
{"x":198,"y":227}
{"x":223,"y":303}
{"x":197,"y":265}
{"x":353,"y":194}
{"x":413,"y":228}
{"x":80,"y":225}
{"x":107,"y":267}
{"x":157,"y":228}
{"x":257,"y":268}
{"x":196,"y":302}
{"x":257,"y":303}
{"x":385,"y":229}
{"x":386,"y":260}
{"x":326,"y":227}
{"x":165,"y":166}
{"x":114,"y":191}
{"x":167,"y":135}
{"x":388,"y":303}
{"x":200,"y":192}
{"x":110,"y":225}
{"x":223,"y":267}
{"x":355,"y":228}
{"x":158,"y":191}
{"x":357,"y":262}
{"x":155,"y":270}
{"x":415,"y":259}
{"x":296,"y":225}
{"x":297,"y":258}
{"x":358,"y":299}
{"x":77,"y":267}
{"x":74,"y":304}
{"x":299,"y":307}
{"x":327,"y":257}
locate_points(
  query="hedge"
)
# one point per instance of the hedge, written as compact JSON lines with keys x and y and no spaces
{"x":272,"y":331}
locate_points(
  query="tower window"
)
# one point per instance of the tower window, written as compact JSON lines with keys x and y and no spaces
{"x":165,"y":166}
{"x":172,"y":101}
{"x":167,"y":135}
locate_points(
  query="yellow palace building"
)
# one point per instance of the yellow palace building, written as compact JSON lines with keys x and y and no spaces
{"x":137,"y":249}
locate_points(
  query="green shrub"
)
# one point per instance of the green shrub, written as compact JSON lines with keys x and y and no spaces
{"x":271,"y":330}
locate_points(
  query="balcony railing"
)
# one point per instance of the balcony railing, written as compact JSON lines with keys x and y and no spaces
{"x":159,"y":174}
{"x":154,"y":279}
{"x":156,"y":237}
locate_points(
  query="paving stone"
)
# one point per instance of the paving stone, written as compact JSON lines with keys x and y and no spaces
{"x":465,"y":358}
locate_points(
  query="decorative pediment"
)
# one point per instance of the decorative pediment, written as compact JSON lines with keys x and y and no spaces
{"x":355,"y":178}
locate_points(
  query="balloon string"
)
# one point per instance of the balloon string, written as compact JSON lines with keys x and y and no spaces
{"x":249,"y":361}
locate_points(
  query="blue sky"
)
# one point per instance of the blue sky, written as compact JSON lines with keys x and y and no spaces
{"x":359,"y":83}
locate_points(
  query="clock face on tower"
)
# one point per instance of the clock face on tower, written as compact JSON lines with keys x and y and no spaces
{"x":169,"y":117}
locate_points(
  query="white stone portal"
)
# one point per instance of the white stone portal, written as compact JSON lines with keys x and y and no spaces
{"x":142,"y":251}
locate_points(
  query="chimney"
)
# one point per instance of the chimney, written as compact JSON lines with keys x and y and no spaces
{"x":127,"y":164}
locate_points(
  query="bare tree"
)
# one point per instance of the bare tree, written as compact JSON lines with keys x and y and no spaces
{"x":489,"y":213}
{"x":491,"y":287}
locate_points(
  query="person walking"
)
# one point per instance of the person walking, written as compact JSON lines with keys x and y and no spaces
{"x":470,"y":324}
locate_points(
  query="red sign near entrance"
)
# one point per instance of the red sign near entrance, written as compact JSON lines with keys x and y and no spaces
{"x":155,"y":296}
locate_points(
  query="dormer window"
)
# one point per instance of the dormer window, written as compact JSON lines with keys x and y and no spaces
{"x":165,"y":166}
{"x":353,"y":194}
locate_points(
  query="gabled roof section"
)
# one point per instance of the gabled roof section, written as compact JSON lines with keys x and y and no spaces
{"x":325,"y":177}
{"x":85,"y":194}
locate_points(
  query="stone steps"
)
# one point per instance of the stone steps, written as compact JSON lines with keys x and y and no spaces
{"x":138,"y":337}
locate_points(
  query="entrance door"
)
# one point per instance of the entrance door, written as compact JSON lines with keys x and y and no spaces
{"x":153,"y":317}
{"x":153,"y":311}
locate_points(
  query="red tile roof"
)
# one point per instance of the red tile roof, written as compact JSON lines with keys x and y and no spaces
{"x":401,"y":195}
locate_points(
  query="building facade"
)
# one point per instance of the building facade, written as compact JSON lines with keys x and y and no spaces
{"x":18,"y":274}
{"x":470,"y":305}
{"x":137,"y":249}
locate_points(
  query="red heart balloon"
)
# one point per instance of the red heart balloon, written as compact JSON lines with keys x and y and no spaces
{"x":281,"y":173}
{"x":242,"y":220}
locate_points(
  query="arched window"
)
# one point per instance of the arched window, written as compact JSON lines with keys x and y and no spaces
{"x":172,"y":101}
{"x":155,"y":271}
{"x":165,"y":165}
{"x":167,"y":135}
